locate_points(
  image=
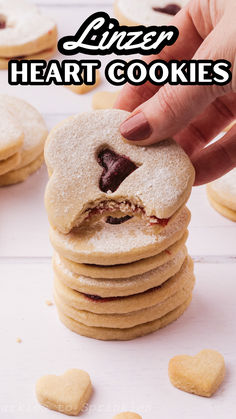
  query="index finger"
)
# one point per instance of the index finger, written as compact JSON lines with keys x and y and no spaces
{"x":133,"y":96}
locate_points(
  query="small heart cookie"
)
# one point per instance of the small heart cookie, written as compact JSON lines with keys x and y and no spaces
{"x":127,"y":415}
{"x":201,"y":374}
{"x":67,"y":393}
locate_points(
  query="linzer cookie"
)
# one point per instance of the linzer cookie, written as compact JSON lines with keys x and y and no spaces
{"x":147,"y":12}
{"x":118,"y":224}
{"x":222,"y":195}
{"x":25,"y":131}
{"x":95,"y":173}
{"x":24,"y":32}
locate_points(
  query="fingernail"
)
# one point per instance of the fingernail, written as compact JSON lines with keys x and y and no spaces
{"x":136,"y":127}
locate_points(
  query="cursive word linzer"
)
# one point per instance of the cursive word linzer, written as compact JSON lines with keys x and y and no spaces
{"x":102,"y":35}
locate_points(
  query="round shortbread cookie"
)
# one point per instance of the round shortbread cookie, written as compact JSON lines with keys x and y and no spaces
{"x":103,"y":243}
{"x":33,"y":126}
{"x":119,"y":287}
{"x":23,"y":30}
{"x":136,"y":12}
{"x":223,"y":190}
{"x":42,"y":55}
{"x":225,"y":211}
{"x":10,"y":163}
{"x":103,"y":333}
{"x":126,"y":304}
{"x":127,"y":270}
{"x":104,"y":100}
{"x":95,"y":173}
{"x":11,"y":133}
{"x":19,"y":175}
{"x":124,"y":321}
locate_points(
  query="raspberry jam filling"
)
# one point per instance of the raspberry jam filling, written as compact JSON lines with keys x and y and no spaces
{"x":131,"y":210}
{"x":116,"y":169}
{"x":169,"y":9}
{"x":2,"y":22}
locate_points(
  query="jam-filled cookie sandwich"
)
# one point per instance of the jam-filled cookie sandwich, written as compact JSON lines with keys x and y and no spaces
{"x":25,"y":33}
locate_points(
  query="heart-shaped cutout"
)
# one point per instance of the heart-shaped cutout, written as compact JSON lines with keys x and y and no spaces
{"x":170,"y":9}
{"x":67,"y":393}
{"x":201,"y":374}
{"x":116,"y":168}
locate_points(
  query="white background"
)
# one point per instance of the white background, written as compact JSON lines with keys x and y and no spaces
{"x":126,"y":375}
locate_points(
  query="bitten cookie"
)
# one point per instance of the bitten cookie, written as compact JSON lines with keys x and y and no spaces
{"x":222,"y":195}
{"x":24,"y":31}
{"x":95,"y":173}
{"x":147,"y":12}
{"x":67,"y":393}
{"x":201,"y":374}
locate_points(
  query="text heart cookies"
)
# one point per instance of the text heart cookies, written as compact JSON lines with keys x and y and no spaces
{"x":201,"y":374}
{"x":67,"y":393}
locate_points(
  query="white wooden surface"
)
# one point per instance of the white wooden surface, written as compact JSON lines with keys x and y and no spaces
{"x":126,"y":375}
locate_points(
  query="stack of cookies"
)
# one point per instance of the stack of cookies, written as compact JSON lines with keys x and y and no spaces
{"x":22,"y":136}
{"x":24,"y":32}
{"x":118,"y":225}
{"x":222,"y":195}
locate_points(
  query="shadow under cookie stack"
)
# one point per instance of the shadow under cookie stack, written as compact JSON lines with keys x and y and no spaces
{"x":119,"y":272}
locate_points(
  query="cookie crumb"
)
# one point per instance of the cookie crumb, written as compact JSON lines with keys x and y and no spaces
{"x":49,"y":303}
{"x":18,"y":340}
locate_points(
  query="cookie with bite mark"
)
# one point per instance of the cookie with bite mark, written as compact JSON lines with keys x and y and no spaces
{"x":94,"y":173}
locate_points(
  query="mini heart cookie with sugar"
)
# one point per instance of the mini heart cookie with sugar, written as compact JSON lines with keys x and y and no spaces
{"x":127,"y":415}
{"x":67,"y":393}
{"x":94,"y":173}
{"x":201,"y":374}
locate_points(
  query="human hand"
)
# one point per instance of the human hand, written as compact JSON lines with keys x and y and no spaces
{"x":192,"y":115}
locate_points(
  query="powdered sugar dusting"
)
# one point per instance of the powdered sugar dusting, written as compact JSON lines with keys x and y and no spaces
{"x":24,"y":23}
{"x":160,"y":185}
{"x":136,"y":283}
